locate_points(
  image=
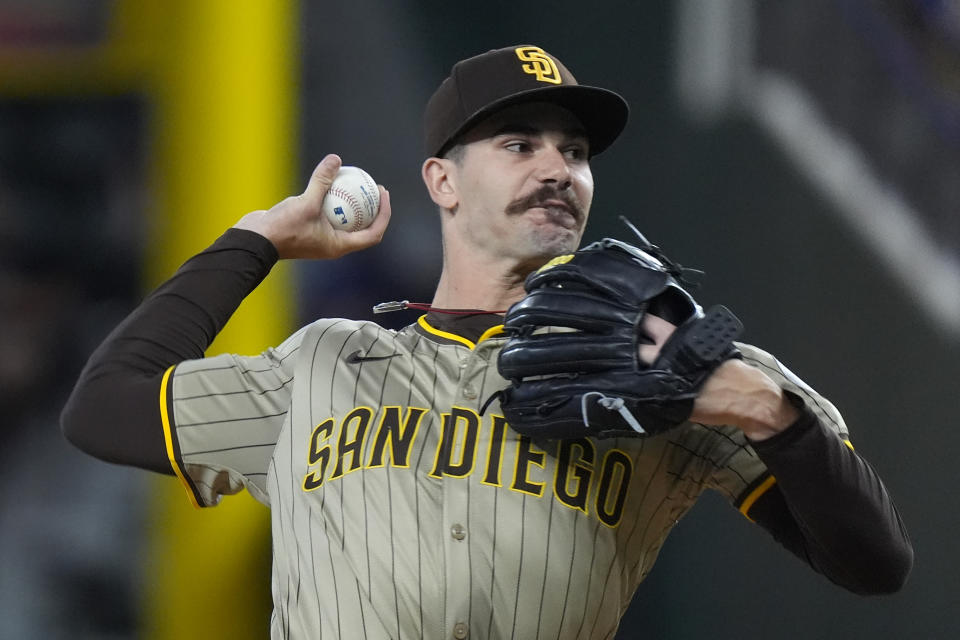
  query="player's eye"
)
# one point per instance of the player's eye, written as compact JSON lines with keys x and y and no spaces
{"x":517,"y":146}
{"x":576,"y":152}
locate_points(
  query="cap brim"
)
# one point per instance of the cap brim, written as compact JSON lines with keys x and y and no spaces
{"x":603,"y":113}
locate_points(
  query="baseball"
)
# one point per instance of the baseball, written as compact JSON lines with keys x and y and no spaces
{"x":352,"y":202}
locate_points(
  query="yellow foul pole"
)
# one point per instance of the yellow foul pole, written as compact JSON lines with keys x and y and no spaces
{"x":226,"y":94}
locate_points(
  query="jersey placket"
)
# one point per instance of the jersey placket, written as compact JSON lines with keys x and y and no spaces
{"x":456,"y":496}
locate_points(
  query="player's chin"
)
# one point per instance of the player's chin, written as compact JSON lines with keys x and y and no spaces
{"x":550,"y":241}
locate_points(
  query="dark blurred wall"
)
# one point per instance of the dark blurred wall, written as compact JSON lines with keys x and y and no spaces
{"x":722,"y":198}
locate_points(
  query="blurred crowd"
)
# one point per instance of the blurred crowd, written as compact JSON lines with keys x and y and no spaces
{"x":71,"y":191}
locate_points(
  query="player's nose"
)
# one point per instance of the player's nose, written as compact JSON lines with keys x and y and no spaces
{"x":554,"y":168}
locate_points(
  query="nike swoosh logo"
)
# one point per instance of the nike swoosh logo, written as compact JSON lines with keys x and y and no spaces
{"x":356,"y":358}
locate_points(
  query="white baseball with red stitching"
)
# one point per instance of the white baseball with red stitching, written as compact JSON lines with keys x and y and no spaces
{"x":353,"y":200}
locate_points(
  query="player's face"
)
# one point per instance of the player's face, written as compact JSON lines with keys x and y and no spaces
{"x":524,"y":183}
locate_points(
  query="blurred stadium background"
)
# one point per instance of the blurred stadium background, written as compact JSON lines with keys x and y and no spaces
{"x":804,"y":153}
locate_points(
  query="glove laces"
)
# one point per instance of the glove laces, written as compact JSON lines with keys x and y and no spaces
{"x":610,"y":404}
{"x":685,"y":275}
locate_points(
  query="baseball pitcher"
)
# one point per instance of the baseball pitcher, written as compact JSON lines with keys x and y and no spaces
{"x":509,"y":464}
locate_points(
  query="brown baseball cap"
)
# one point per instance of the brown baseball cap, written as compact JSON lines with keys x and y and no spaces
{"x":483,"y":84}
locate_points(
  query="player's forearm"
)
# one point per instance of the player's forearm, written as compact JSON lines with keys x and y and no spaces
{"x":836,"y":512}
{"x":114,"y":410}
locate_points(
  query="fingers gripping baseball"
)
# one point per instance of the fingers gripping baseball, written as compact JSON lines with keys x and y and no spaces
{"x":321,"y":179}
{"x":298,"y":228}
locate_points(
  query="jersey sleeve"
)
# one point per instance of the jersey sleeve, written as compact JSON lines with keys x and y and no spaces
{"x":739,"y":470}
{"x":222,"y":417}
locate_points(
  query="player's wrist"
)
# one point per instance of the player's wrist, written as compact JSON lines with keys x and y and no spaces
{"x":770,"y":417}
{"x":259,"y":223}
{"x":290,"y":240}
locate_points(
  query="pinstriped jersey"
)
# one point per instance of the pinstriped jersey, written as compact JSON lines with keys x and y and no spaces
{"x":401,"y":510}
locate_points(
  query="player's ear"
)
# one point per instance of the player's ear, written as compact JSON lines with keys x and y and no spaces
{"x":439,"y":176}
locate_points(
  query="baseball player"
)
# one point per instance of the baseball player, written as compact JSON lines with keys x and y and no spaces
{"x":403,"y":503}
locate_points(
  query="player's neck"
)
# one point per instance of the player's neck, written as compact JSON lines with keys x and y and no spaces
{"x":473,"y":284}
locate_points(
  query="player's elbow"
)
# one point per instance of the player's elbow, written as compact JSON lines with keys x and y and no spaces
{"x":887,"y":574}
{"x":86,"y":419}
{"x":77,"y":425}
{"x":117,"y":421}
{"x":896,"y":571}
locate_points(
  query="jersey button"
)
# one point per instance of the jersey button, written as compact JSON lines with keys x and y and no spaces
{"x":460,"y":631}
{"x":469,"y":393}
{"x":458,"y":532}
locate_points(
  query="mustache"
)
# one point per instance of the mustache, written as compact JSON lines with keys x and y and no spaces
{"x":544,"y":194}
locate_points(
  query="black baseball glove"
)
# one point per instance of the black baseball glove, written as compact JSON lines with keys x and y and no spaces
{"x":572,"y":357}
